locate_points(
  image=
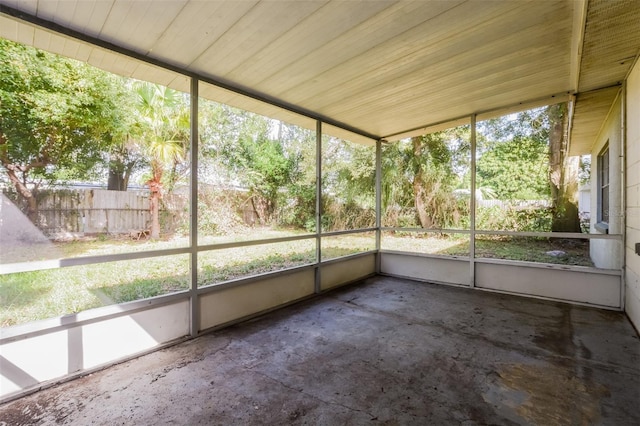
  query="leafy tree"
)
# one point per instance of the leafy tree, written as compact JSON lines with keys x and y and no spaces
{"x":396,"y":176}
{"x":434,"y":181}
{"x":348,"y":170}
{"x":515,"y":169}
{"x":423,"y":173}
{"x":57,"y":117}
{"x":513,"y":155}
{"x":523,"y":156}
{"x":125,"y":156}
{"x":123,"y":160}
{"x":163,"y":116}
{"x":563,"y":173}
{"x":584,"y":170}
{"x":348,"y":185}
{"x":223,"y":131}
{"x":243,"y":151}
{"x":299,"y":146}
{"x":268,"y":171}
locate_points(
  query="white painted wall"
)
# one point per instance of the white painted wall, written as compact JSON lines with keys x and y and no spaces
{"x":607,"y":254}
{"x":336,"y":273}
{"x":28,"y":362}
{"x":428,"y":268}
{"x":598,"y":289}
{"x":632,"y":260}
{"x":584,"y":199}
{"x":227,"y":304}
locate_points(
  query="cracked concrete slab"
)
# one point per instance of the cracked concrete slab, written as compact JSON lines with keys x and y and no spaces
{"x":385,"y":351}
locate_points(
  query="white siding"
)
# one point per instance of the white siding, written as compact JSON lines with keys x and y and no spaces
{"x":632,"y":270}
{"x":608,"y":253}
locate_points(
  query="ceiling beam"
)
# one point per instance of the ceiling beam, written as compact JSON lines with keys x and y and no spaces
{"x":480,"y":115}
{"x":577,"y":42}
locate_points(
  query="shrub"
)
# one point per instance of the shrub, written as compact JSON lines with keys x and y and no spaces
{"x":512,"y":218}
{"x":339,"y":216}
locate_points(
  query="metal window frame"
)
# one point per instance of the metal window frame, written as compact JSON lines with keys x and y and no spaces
{"x":602,"y":224}
{"x":572,"y":235}
{"x":194,"y":306}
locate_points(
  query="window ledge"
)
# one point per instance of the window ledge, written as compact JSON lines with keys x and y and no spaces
{"x":602,"y":227}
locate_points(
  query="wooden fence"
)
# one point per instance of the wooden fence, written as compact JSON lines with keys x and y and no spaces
{"x":92,"y":211}
{"x":77,"y":212}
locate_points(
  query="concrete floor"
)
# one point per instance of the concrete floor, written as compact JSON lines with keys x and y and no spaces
{"x":385,"y":351}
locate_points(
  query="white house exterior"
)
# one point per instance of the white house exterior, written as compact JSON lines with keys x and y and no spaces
{"x":631,"y":213}
{"x":607,"y":254}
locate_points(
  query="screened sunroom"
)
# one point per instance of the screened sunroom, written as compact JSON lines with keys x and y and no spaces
{"x":172,"y":168}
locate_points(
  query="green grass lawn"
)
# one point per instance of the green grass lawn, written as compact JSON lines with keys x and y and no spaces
{"x":511,"y":248}
{"x":30,"y":296}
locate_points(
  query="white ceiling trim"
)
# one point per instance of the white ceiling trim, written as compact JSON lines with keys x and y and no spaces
{"x":577,"y":41}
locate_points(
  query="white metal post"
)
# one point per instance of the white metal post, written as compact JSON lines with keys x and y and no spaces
{"x":472,"y":206}
{"x":194,"y":303}
{"x":318,"y":204}
{"x":623,"y":189}
{"x":378,"y":203}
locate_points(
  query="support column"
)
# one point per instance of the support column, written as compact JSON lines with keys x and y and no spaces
{"x":378,"y":203}
{"x":318,"y":204}
{"x":194,"y":303}
{"x":623,"y":189}
{"x":472,"y":207}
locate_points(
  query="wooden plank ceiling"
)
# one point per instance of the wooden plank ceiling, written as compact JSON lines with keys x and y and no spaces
{"x":386,"y":68}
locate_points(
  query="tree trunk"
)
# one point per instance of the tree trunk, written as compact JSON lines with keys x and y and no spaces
{"x":27,"y":195}
{"x":260,"y":207}
{"x":419,"y":194}
{"x":122,"y":161}
{"x":12,"y":170}
{"x":119,"y":174}
{"x":116,"y":180}
{"x":155,"y":189}
{"x":154,"y":209}
{"x":127,"y":175}
{"x":421,"y":208}
{"x":563,"y":174}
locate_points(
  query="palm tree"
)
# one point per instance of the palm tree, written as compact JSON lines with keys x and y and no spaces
{"x":164,"y":119}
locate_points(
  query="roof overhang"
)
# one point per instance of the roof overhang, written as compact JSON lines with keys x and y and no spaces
{"x":610,"y":48}
{"x":590,"y":111}
{"x":369,"y":70}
